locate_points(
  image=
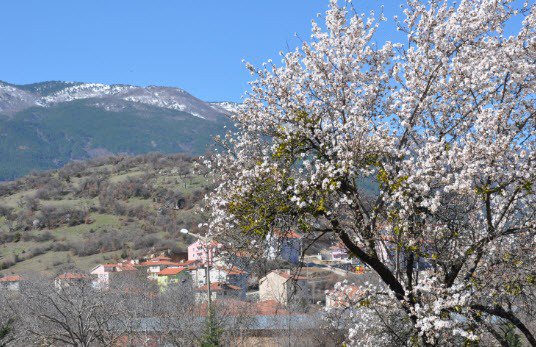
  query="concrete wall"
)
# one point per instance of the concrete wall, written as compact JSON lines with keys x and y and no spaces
{"x":273,"y":287}
{"x":282,"y":288}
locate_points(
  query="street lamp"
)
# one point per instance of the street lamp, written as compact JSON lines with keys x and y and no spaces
{"x":207,"y":269}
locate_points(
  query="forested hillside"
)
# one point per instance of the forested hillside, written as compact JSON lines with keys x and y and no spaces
{"x":46,"y":125}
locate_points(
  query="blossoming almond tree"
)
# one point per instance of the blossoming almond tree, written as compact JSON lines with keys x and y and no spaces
{"x":445,"y":123}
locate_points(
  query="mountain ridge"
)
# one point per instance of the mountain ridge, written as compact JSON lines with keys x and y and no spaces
{"x":48,"y":93}
{"x":45,"y":125}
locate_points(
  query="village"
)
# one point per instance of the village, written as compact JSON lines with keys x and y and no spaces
{"x":293,"y":295}
{"x":308,"y":280}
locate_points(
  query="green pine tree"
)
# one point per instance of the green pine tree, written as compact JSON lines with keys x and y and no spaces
{"x":212,"y":335}
{"x":5,"y":331}
{"x":511,"y":337}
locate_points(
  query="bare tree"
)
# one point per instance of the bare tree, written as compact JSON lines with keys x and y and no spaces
{"x":73,"y":314}
{"x":136,"y":303}
{"x":8,"y":318}
{"x":178,"y":315}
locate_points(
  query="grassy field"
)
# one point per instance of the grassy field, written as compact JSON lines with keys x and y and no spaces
{"x":103,"y":210}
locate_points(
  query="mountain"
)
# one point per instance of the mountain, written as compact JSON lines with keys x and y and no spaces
{"x":45,"y":125}
{"x":226,"y":106}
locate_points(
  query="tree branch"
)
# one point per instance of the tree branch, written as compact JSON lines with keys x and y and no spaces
{"x":510,"y":316}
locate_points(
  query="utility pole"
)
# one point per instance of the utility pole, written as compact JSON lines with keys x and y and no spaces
{"x":207,"y":243}
{"x":207,"y":272}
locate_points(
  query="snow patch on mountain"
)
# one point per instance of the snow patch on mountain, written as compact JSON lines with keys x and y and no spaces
{"x":226,"y":106}
{"x":13,"y":99}
{"x":113,"y":98}
{"x":85,"y":91}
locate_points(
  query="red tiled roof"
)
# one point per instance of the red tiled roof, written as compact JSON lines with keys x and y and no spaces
{"x":159,"y":262}
{"x":12,"y":278}
{"x":188,"y":262}
{"x":286,"y":274}
{"x":217,"y":286}
{"x":270,"y":308}
{"x":350,"y":290}
{"x":171,"y":271}
{"x":233,"y":270}
{"x":340,"y":297}
{"x":226,"y":307}
{"x":128,"y":267}
{"x":243,"y":254}
{"x":72,"y":276}
{"x":122,"y":266}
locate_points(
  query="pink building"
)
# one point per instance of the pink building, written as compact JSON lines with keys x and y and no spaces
{"x":198,"y":250}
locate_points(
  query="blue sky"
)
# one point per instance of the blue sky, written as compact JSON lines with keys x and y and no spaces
{"x":195,"y":45}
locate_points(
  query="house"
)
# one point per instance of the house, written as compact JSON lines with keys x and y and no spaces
{"x":283,"y":287}
{"x":202,"y":251}
{"x":218,"y":290}
{"x":286,"y":246}
{"x":337,"y":253}
{"x":236,"y":277}
{"x":104,"y":274}
{"x":243,"y":258}
{"x":189,"y":263}
{"x":310,"y":285}
{"x":172,"y":275}
{"x":10,"y":282}
{"x":153,"y":267}
{"x":389,"y":249}
{"x":69,"y":278}
{"x":218,"y":273}
{"x":269,"y":308}
{"x":175,"y":257}
{"x":346,"y":296}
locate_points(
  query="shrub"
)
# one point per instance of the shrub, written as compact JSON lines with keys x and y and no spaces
{"x":53,"y":189}
{"x":60,"y":247}
{"x":5,"y":211}
{"x":52,"y":217}
{"x":145,"y":242}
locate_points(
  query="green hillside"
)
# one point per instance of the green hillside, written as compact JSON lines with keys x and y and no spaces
{"x":92,"y":212}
